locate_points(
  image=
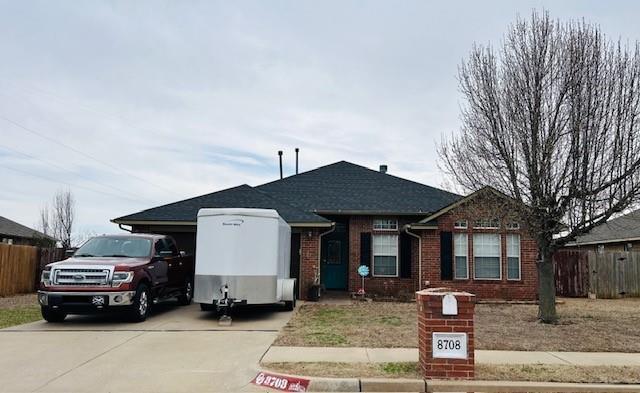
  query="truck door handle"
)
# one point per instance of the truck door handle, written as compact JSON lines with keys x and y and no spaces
{"x":151,"y":267}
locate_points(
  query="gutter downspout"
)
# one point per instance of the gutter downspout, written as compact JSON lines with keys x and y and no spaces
{"x":125,"y":229}
{"x":333,"y":228}
{"x":406,"y":229}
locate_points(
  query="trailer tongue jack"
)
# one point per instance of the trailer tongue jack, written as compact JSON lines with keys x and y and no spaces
{"x":225,"y":304}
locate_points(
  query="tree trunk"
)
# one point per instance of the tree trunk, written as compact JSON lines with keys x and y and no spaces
{"x":546,"y":288}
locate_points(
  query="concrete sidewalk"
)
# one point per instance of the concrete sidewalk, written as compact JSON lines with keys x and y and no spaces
{"x":388,"y":355}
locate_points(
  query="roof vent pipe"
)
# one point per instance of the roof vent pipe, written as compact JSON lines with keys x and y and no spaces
{"x":297,"y":150}
{"x":383,"y":169}
{"x":280,"y":155}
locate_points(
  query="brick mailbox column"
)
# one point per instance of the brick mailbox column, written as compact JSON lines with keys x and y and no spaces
{"x":445,"y":342}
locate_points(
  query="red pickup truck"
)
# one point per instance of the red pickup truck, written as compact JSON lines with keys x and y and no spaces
{"x":117,"y":272}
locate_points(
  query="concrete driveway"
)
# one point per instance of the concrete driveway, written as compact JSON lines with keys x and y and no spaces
{"x":178,"y":349}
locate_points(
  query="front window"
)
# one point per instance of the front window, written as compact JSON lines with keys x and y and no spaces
{"x":117,"y":246}
{"x":513,"y":257}
{"x":384,"y":224}
{"x":486,"y":256}
{"x":385,"y":255}
{"x":460,"y":251}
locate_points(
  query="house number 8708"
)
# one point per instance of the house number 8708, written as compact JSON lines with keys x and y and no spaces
{"x":448,"y":344}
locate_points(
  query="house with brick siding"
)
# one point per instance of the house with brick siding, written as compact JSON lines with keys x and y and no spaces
{"x":412,"y":236}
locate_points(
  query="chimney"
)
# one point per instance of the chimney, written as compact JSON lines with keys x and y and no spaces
{"x":280,"y":155}
{"x":297,"y":150}
{"x":383,"y":169}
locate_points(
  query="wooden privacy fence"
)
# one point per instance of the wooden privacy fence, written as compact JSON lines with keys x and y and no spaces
{"x":614,"y":274}
{"x":20,"y":267}
{"x":607,"y":274}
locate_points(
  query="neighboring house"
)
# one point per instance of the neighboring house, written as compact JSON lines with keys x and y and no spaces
{"x":13,"y":233}
{"x":618,"y":234}
{"x":411,"y":235}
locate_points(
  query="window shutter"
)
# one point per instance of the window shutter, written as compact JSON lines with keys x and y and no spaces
{"x":446,"y":256}
{"x":405,"y":255}
{"x":365,"y":249}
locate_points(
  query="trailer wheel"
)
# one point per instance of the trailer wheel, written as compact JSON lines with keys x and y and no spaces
{"x":207,"y":307}
{"x":290,"y":305}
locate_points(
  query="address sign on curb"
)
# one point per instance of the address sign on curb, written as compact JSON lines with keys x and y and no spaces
{"x":281,"y":382}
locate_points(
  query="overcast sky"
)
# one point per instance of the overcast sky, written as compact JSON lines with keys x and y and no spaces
{"x":135,"y":104}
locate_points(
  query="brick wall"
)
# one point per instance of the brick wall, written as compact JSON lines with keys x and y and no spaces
{"x":309,"y":259}
{"x":386,"y":286}
{"x":523,"y":289}
{"x":430,"y":320}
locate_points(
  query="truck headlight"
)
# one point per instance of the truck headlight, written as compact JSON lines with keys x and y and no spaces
{"x":120,"y":278}
{"x":45,"y":278}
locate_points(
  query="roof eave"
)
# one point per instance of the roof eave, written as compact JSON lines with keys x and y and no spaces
{"x":194,"y":223}
{"x":607,"y":241}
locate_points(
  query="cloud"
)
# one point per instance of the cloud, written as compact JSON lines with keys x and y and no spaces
{"x":176,"y":99}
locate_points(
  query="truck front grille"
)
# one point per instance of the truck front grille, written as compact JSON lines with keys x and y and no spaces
{"x":81,"y":277}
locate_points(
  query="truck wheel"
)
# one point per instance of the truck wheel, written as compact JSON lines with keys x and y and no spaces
{"x":141,"y":303}
{"x":52,"y":316}
{"x":185,"y":298}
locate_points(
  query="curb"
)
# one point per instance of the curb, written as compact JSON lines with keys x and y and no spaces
{"x":322,"y":384}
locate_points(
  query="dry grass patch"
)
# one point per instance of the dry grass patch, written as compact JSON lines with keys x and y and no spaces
{"x":585,"y":325}
{"x":355,"y":325}
{"x":347,"y":370}
{"x":603,"y":325}
{"x":532,"y":373}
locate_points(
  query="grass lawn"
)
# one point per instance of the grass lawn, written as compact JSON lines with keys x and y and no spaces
{"x":585,"y":325}
{"x":16,"y":310}
{"x":534,"y":373}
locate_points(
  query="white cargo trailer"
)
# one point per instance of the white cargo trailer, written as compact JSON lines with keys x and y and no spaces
{"x":242,"y":257}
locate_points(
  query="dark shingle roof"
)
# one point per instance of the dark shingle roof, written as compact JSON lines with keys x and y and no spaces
{"x":623,"y":227}
{"x":243,"y":196}
{"x":12,"y":228}
{"x":348,"y":187}
{"x":340,"y":187}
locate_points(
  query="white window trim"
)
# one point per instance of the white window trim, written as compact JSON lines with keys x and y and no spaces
{"x":466,"y":224}
{"x":385,"y":229}
{"x":519,"y":260}
{"x":373,"y":260}
{"x":455,"y":261}
{"x":499,"y":259}
{"x":483,"y":227}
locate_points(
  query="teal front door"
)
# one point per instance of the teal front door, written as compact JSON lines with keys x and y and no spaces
{"x":334,"y":254}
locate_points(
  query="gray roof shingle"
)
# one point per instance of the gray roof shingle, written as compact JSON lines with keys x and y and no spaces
{"x":623,"y":227}
{"x":243,"y":196}
{"x":339,"y":187}
{"x":347,"y":187}
{"x":12,"y":228}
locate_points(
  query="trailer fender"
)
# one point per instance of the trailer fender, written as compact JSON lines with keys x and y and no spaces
{"x":288,"y":289}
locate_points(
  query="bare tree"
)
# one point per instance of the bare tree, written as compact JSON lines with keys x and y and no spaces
{"x":551,"y":120}
{"x":44,"y":223}
{"x":63,"y":214}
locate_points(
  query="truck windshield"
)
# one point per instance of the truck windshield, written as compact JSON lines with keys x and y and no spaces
{"x":121,"y":246}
